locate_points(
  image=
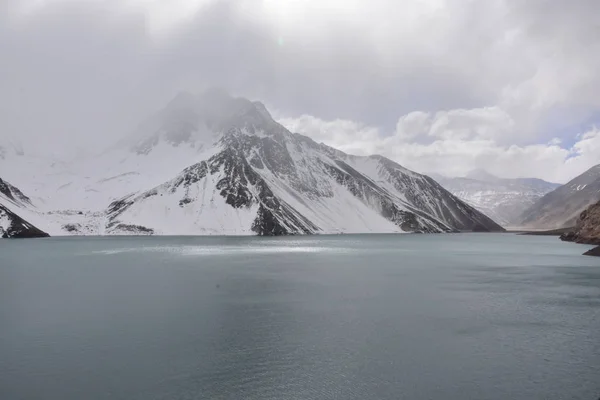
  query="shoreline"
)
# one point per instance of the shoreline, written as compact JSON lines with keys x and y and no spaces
{"x":551,"y":232}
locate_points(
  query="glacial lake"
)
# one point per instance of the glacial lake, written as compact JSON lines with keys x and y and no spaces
{"x":452,"y":317}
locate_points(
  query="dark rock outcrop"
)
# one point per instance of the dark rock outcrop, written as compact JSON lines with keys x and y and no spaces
{"x":133,"y":229}
{"x":587,"y":230}
{"x":593,"y":252}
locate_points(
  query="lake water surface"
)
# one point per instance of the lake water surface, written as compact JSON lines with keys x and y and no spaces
{"x":465,"y":316}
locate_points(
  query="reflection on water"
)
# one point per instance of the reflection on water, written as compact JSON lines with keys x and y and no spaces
{"x":332,"y":317}
{"x":229,"y":250}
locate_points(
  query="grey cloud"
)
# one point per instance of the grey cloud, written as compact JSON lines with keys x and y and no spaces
{"x":88,"y":72}
{"x":340,"y":75}
{"x":68,"y":72}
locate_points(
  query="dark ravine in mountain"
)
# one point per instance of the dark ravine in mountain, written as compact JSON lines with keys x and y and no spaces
{"x":287,"y":180}
{"x":587,"y":229}
{"x":562,"y":207}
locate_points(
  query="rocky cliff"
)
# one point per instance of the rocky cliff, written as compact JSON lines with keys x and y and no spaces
{"x":587,"y":229}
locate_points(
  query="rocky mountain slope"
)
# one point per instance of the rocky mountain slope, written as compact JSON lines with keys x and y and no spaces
{"x":214,"y":164}
{"x":587,"y":229}
{"x":562,"y":207}
{"x":11,"y":224}
{"x":503,"y":200}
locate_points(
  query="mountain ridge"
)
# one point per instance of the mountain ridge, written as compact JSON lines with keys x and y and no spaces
{"x":562,"y":207}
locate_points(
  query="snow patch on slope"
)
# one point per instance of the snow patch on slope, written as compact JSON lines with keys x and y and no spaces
{"x":207,"y":214}
{"x":339,"y":213}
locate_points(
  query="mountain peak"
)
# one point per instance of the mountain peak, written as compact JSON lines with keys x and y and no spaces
{"x":196,"y":120}
{"x":262,"y":109}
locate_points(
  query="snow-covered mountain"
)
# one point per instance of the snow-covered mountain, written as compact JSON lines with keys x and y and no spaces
{"x":214,"y":164}
{"x":561,"y":208}
{"x":503,"y":200}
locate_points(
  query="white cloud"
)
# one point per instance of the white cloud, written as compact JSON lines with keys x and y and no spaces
{"x":412,"y":124}
{"x":480,"y":123}
{"x":348,"y":136}
{"x":455,"y":142}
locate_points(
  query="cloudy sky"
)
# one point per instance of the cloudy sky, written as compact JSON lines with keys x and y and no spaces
{"x":443,"y":86}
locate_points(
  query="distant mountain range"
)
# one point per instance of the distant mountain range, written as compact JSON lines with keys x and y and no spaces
{"x":562,"y":207}
{"x":503,"y":200}
{"x":215,"y":164}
